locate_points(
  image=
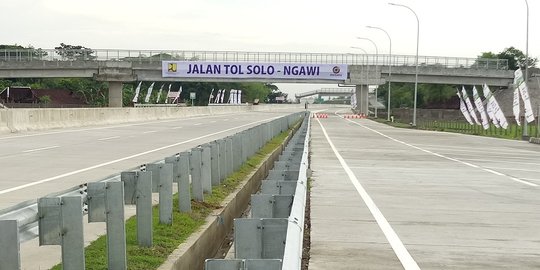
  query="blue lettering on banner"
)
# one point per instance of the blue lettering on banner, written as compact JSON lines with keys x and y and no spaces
{"x":260,"y":70}
{"x":301,"y":70}
{"x":204,"y":69}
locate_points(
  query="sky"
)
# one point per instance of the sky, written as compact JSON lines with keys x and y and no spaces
{"x":454,"y":28}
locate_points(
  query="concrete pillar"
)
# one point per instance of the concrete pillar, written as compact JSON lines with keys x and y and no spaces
{"x":115,"y":94}
{"x":362,"y":99}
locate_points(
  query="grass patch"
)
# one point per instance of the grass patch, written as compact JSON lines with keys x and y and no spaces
{"x":168,"y":237}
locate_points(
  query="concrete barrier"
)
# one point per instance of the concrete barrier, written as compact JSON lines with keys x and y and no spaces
{"x":534,"y":140}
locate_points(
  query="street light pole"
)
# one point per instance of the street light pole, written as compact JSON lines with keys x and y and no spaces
{"x":416,"y":73}
{"x":376,"y":65}
{"x":367,"y":75}
{"x":390,"y":62}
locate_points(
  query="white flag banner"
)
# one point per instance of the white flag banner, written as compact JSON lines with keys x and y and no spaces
{"x":516,"y":106}
{"x":494,"y":105}
{"x":159,"y":93}
{"x":491,"y":116}
{"x":149,"y":93}
{"x":177,"y":95}
{"x":353,"y":101}
{"x":520,"y":83}
{"x":137,"y":91}
{"x":239,"y":99}
{"x":168,"y":93}
{"x":218,"y":95}
{"x":463,"y":109}
{"x":230,"y":96}
{"x":211,"y":96}
{"x":470,"y":107}
{"x":222,"y":96}
{"x":480,"y":108}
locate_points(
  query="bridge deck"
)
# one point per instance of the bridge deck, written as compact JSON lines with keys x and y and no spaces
{"x":449,"y":214}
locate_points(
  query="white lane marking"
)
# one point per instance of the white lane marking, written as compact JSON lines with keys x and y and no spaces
{"x":176,"y":127}
{"x":151,"y":131}
{"x":109,"y":138}
{"x":125,"y":158}
{"x":399,"y":249}
{"x":197,"y":124}
{"x":446,"y":157}
{"x":213,"y":121}
{"x":40,"y":149}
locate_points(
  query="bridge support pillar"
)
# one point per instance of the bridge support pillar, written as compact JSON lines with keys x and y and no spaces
{"x":362,"y":102}
{"x":115,"y":94}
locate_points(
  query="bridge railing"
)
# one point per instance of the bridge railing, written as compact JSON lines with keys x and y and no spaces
{"x":242,"y":56}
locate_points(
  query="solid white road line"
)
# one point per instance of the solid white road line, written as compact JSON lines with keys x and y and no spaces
{"x":399,"y":249}
{"x":126,"y":158}
{"x":40,"y":149}
{"x":109,"y":138}
{"x":448,"y":158}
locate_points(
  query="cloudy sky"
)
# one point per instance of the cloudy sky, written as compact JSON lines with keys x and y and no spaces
{"x":458,"y":28}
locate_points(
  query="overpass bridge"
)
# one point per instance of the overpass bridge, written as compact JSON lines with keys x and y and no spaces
{"x":327,"y":92}
{"x":121,"y":66}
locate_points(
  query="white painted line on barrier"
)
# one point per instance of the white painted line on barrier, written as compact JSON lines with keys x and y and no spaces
{"x":151,"y":131}
{"x":399,"y":249}
{"x":446,"y":157}
{"x":40,"y":149}
{"x":109,"y":138}
{"x":128,"y":157}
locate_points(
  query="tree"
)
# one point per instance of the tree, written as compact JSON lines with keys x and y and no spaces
{"x":71,"y":52}
{"x":515,"y":57}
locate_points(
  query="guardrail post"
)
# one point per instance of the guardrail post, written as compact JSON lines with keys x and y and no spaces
{"x":222,"y":159}
{"x":195,"y":168}
{"x":206,"y":169}
{"x":138,"y":191}
{"x":10,"y":257}
{"x":229,"y":156}
{"x":162,"y":176}
{"x":184,"y":188}
{"x":72,"y":233}
{"x":116,"y":228}
{"x":215,"y":163}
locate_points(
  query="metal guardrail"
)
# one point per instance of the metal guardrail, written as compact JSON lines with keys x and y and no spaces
{"x":145,"y":56}
{"x":272,"y":238}
{"x":57,"y":218}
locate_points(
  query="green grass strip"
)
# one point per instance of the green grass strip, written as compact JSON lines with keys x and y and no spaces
{"x":168,"y":237}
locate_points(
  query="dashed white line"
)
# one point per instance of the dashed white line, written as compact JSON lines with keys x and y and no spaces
{"x":109,"y":138}
{"x":151,"y":131}
{"x":399,"y":249}
{"x":446,"y":157}
{"x":213,"y":121}
{"x":40,"y":149}
{"x":197,"y":124}
{"x":176,"y":127}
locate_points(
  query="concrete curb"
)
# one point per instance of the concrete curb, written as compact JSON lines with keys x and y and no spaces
{"x":206,"y":242}
{"x":534,"y":140}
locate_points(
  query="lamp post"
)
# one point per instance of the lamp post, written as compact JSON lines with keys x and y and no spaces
{"x":526,"y":77}
{"x":376,"y":65}
{"x":389,"y":68}
{"x":416,"y":73}
{"x":362,"y":86}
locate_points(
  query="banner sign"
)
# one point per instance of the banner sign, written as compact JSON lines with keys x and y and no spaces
{"x":241,"y":70}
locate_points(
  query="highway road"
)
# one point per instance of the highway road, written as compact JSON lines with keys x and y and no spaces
{"x":36,"y":164}
{"x":390,"y":198}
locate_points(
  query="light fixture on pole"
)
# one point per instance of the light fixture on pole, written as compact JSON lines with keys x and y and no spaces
{"x":416,"y":73}
{"x":390,"y":62}
{"x":376,"y":65}
{"x":362,"y":86}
